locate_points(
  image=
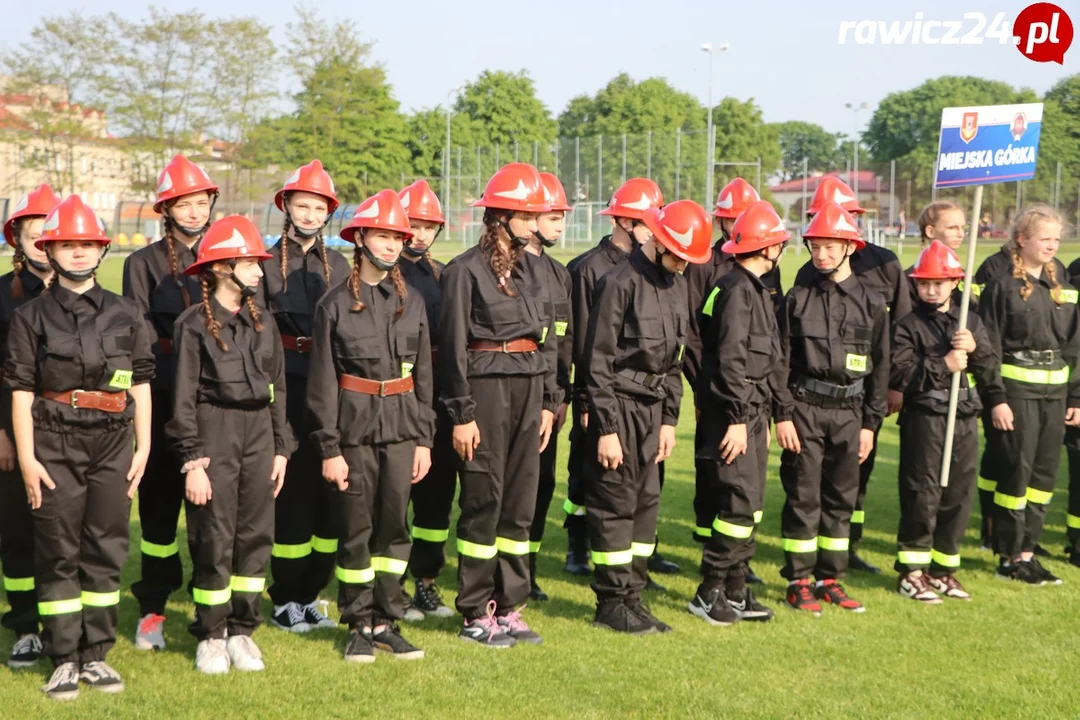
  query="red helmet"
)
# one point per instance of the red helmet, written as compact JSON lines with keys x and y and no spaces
{"x":736,"y":197}
{"x":179,"y":178}
{"x":230,"y":238}
{"x":421,"y":202}
{"x":516,"y":186}
{"x":310,"y":178}
{"x":834,"y":223}
{"x":36,"y":203}
{"x":633,"y":198}
{"x":683,"y":227}
{"x":72,"y":220}
{"x":382,"y":211}
{"x":832,"y":189}
{"x":554,"y":192}
{"x":757,"y":228}
{"x":938,"y":262}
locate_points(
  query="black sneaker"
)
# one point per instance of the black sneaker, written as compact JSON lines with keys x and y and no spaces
{"x":659,"y":564}
{"x":428,"y":600}
{"x":749,"y":608}
{"x":1020,"y":572}
{"x":485,"y":630}
{"x":752,"y":578}
{"x":713,"y":607}
{"x":290,"y":618}
{"x":100,"y":676}
{"x":412,"y":614}
{"x":615,"y":615}
{"x":389,"y":640}
{"x":64,"y":683}
{"x":857,"y":563}
{"x":1040,"y":551}
{"x":359,"y":649}
{"x":645,"y":614}
{"x":25,"y":652}
{"x":577,"y":553}
{"x":1048,"y":577}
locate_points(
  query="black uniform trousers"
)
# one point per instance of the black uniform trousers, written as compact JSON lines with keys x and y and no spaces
{"x":230,"y":537}
{"x":821,"y":484}
{"x":575,"y":468}
{"x":498,"y":495}
{"x":737,"y":491}
{"x":858,"y":516}
{"x":161,"y":495}
{"x":373,"y":554}
{"x":17,"y":554}
{"x":544,"y":491}
{"x":1030,"y":455}
{"x":989,"y":467}
{"x":1072,"y":518}
{"x":623,"y":504}
{"x":932,"y":518}
{"x":81,"y":539}
{"x":432,"y":500}
{"x":305,"y":524}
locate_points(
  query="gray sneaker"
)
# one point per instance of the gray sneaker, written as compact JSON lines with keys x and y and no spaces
{"x":148,"y":634}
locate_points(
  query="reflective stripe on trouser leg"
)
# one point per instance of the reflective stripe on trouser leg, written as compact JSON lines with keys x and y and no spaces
{"x":954,"y":508}
{"x":913,"y":559}
{"x":17,"y":554}
{"x":432,"y":501}
{"x":737,"y":491}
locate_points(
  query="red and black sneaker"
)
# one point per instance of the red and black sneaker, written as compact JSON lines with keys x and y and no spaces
{"x":800,"y":596}
{"x":832,"y":592}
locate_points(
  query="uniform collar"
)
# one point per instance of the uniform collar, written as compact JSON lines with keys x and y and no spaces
{"x":295,"y":251}
{"x":758,"y":284}
{"x":32,"y":284}
{"x":613,"y":251}
{"x":648,"y":268}
{"x":68,"y":299}
{"x":847,"y":286}
{"x":225,"y":316}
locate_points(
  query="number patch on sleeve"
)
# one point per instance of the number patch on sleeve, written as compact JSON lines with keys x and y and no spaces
{"x":121,"y":380}
{"x":560,"y":328}
{"x":856,"y":363}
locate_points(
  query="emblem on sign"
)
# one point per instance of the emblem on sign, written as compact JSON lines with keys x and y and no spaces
{"x":969,"y":126}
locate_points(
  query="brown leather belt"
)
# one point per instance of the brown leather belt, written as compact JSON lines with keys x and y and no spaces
{"x":301,"y":345}
{"x":520,"y":345}
{"x":110,"y":402}
{"x":384,"y":388}
{"x":166,"y":345}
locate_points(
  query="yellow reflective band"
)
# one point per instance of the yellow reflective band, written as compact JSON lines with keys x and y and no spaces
{"x":388,"y":565}
{"x":758,"y":514}
{"x":707,"y":308}
{"x":986,"y":485}
{"x":512,"y":547}
{"x":949,"y":561}
{"x":858,"y":517}
{"x":291,"y":552}
{"x":1069,"y":296}
{"x":59,"y":607}
{"x":211,"y":597}
{"x":104,"y":599}
{"x":971,"y":380}
{"x":731,"y":530}
{"x":543,"y":335}
{"x":620,"y":557}
{"x":158,"y":551}
{"x":913,"y":557}
{"x":430,"y":534}
{"x":474,"y":550}
{"x":836,"y":544}
{"x":976,"y":289}
{"x":1010,"y":502}
{"x":682,"y":349}
{"x":1033,"y":376}
{"x":121,"y":380}
{"x":856,"y":363}
{"x":642,"y":549}
{"x":271,"y":393}
{"x":239,"y":583}
{"x":18,"y":584}
{"x":1039,"y":497}
{"x":792,"y":545}
{"x":324,"y":545}
{"x":560,"y":328}
{"x":1072,"y":521}
{"x":534,"y":547}
{"x":571,"y":508}
{"x":704,"y":532}
{"x":354,"y":577}
{"x":406,"y":369}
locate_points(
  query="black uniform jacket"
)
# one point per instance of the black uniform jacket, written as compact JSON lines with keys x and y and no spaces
{"x":64,"y":341}
{"x":32,"y":287}
{"x":880,"y":271}
{"x":585,"y":272}
{"x":637,"y":324}
{"x":378,"y":344}
{"x":421,"y":276}
{"x":559,"y":286}
{"x":475,"y":309}
{"x":1000,"y":263}
{"x":249,"y":375}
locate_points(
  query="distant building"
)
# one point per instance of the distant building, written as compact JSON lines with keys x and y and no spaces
{"x":873,"y":194}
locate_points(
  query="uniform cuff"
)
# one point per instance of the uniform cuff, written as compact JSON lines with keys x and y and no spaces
{"x":993,"y":399}
{"x":329,"y":450}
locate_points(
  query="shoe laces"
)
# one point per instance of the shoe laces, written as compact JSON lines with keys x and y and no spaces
{"x":803,"y":593}
{"x":151,"y":623}
{"x":431,"y":593}
{"x":488,"y":621}
{"x":26,"y":643}
{"x":312,"y":608}
{"x":294,"y":613}
{"x":514,"y":622}
{"x":66,"y":673}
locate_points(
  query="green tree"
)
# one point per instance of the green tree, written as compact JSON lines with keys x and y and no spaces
{"x":799,"y":140}
{"x":503,"y":108}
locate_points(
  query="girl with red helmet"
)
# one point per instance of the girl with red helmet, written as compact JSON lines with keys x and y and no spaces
{"x":298,"y":272}
{"x":632,"y":353}
{"x":230,"y":432}
{"x":944,"y":221}
{"x":76,"y":356}
{"x":498,"y":385}
{"x":30,"y":272}
{"x":154,"y":279}
{"x":369,"y":393}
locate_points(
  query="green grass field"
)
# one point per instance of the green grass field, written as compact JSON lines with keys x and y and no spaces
{"x":1010,"y":653}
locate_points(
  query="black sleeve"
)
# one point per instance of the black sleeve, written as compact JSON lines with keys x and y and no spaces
{"x":992,"y":312}
{"x":901,"y":303}
{"x":772,"y":281}
{"x":906,"y":359}
{"x":581,"y":302}
{"x":669,"y":414}
{"x":183,"y":428}
{"x":20,"y":370}
{"x":455,"y":311}
{"x":566,"y":341}
{"x":730,"y":335}
{"x":553,"y":393}
{"x":783,"y":402}
{"x":877,"y":382}
{"x":983,"y":363}
{"x":601,"y":344}
{"x":1070,"y":353}
{"x":284,"y":440}
{"x":424,"y":383}
{"x":696,"y":277}
{"x":138,"y":285}
{"x":322,"y":385}
{"x":143,"y":365}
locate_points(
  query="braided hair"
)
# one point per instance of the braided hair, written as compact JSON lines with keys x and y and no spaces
{"x":1026,"y":223}
{"x":174,"y":262}
{"x":502,"y":261}
{"x":207,"y":280}
{"x":284,"y":243}
{"x":17,"y":262}
{"x":354,"y":282}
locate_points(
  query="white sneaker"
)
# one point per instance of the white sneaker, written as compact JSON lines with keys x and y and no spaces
{"x":245,"y":654}
{"x":148,"y":634}
{"x":211,"y":657}
{"x":315,"y":618}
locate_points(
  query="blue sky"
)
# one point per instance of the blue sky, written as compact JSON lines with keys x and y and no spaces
{"x":784,"y":55}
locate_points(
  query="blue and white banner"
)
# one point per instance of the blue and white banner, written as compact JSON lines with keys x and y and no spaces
{"x":988,"y":144}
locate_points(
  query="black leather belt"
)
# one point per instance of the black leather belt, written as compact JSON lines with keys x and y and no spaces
{"x":653,"y":382}
{"x":829,"y":390}
{"x":1032,"y":358}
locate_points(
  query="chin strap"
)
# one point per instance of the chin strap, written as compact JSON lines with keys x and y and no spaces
{"x":71,"y":275}
{"x":377,"y":262}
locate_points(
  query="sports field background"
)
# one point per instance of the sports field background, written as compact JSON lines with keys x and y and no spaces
{"x":1010,"y":653}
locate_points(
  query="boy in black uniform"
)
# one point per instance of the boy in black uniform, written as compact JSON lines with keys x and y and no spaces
{"x":927,"y":348}
{"x":829,"y":406}
{"x":740,"y":351}
{"x":633,"y":349}
{"x":1072,"y":449}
